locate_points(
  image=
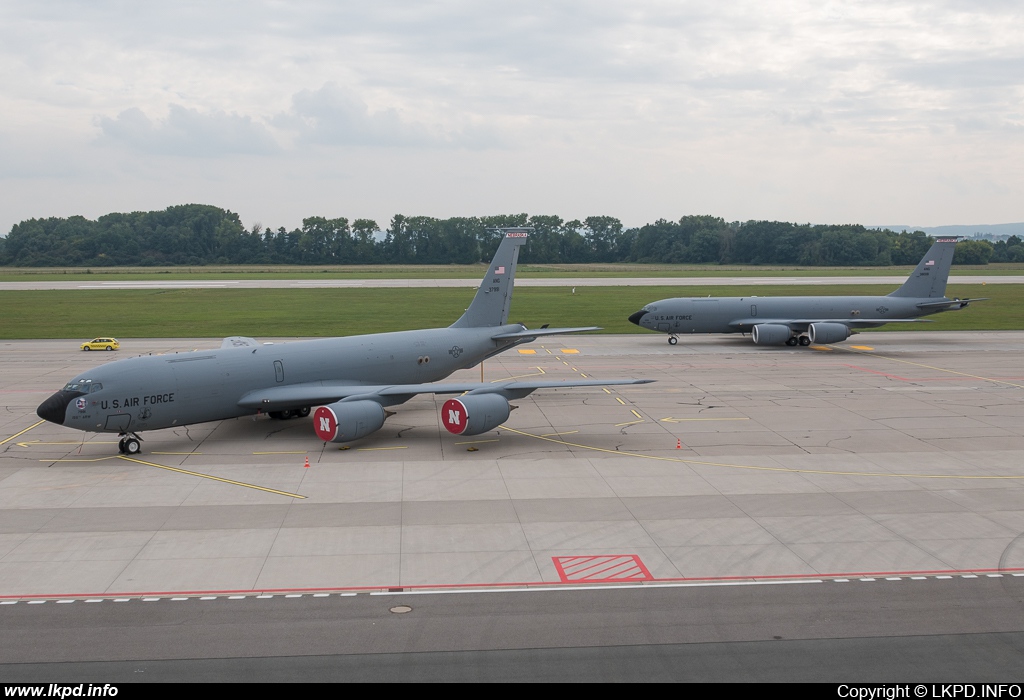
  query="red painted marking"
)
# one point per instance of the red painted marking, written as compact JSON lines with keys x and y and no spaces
{"x":325,"y":423}
{"x":605,"y":568}
{"x":884,"y":374}
{"x":454,"y":416}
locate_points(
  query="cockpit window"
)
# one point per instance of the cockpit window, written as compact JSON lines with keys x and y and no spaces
{"x":81,"y":385}
{"x":96,"y":386}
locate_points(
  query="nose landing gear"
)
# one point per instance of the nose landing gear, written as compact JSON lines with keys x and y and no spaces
{"x":672,"y":340}
{"x":129,"y":444}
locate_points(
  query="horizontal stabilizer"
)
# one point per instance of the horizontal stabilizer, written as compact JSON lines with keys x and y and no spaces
{"x":318,"y":394}
{"x":538,"y":332}
{"x":949,"y":303}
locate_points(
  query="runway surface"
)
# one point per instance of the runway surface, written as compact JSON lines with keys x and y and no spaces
{"x":899,"y":455}
{"x":474,"y":282}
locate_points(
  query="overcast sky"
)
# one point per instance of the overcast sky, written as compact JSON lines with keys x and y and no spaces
{"x":887,"y":112}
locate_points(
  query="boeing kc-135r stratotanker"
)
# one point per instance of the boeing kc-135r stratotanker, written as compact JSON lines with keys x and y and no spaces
{"x":810,"y":319}
{"x":352,"y":379}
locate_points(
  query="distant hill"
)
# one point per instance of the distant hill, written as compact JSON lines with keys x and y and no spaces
{"x":992,"y":232}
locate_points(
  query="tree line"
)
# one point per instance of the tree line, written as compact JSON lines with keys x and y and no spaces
{"x":199,"y":234}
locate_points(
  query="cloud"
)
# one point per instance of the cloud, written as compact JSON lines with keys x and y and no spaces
{"x":189,"y":132}
{"x":335,"y":116}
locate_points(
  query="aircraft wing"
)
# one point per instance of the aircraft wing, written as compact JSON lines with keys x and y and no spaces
{"x":318,"y":394}
{"x":538,"y":332}
{"x":239,"y":341}
{"x":802,"y":323}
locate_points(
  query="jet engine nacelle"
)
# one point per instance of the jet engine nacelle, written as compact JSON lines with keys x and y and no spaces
{"x":828,"y":332}
{"x":345,"y":421}
{"x":473,"y":414}
{"x":771,"y":334}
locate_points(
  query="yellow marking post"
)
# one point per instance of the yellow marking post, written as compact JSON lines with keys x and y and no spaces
{"x":569,"y":351}
{"x":527,"y":352}
{"x":209,"y":476}
{"x":785,"y":470}
{"x":22,"y":432}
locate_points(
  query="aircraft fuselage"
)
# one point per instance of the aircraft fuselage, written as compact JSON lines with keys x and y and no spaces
{"x":163,"y":391}
{"x":740,"y":314}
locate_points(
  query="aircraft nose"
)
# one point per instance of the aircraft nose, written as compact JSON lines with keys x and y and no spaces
{"x":55,"y":407}
{"x":635,"y":318}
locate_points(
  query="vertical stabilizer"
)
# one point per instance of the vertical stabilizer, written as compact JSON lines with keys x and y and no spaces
{"x":929,"y":277}
{"x":491,"y":304}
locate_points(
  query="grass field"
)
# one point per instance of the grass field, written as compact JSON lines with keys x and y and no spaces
{"x":328,"y":312}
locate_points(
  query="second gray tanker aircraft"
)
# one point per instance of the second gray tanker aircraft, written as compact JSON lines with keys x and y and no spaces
{"x":351,"y":379}
{"x":810,"y":319}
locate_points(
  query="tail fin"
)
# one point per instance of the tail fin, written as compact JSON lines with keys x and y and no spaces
{"x":491,"y":304}
{"x":929,"y":277}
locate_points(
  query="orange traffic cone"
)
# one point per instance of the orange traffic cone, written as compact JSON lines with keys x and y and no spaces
{"x":679,"y":444}
{"x":307,"y":463}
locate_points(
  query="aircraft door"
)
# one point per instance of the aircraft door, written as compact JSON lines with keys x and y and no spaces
{"x":279,"y":371}
{"x":753,"y":310}
{"x":118,"y":422}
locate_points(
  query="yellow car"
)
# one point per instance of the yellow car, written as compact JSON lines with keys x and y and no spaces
{"x":101,"y":344}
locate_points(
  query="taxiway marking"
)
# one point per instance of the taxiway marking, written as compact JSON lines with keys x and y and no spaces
{"x":22,"y":432}
{"x":209,"y":476}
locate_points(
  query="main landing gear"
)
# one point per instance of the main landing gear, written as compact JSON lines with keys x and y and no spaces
{"x":129,"y":444}
{"x":672,"y":340}
{"x":290,"y":413}
{"x":802,"y":340}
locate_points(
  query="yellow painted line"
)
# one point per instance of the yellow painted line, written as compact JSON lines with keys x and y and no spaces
{"x":527,"y":352}
{"x":937,"y":369}
{"x":620,"y":400}
{"x":565,"y":363}
{"x":632,"y":422}
{"x":22,"y":432}
{"x":33,"y":443}
{"x":372,"y":449}
{"x":475,"y":442}
{"x":300,"y":452}
{"x":785,"y":470}
{"x":95,"y":459}
{"x":570,"y":351}
{"x":582,"y":375}
{"x":209,"y":476}
{"x":633,"y":411}
{"x":687,"y":420}
{"x":862,"y":347}
{"x":176,"y":453}
{"x":605,"y":390}
{"x":567,"y":432}
{"x":574,"y":369}
{"x":821,"y":348}
{"x":540,"y":371}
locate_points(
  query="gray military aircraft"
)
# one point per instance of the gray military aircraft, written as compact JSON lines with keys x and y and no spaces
{"x":810,"y":319}
{"x":352,"y":379}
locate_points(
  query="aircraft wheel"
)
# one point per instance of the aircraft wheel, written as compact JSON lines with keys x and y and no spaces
{"x":132,"y":446}
{"x":303,"y":412}
{"x":120,"y":445}
{"x":791,"y":342}
{"x":805,"y":341}
{"x":285,"y":415}
{"x":672,"y":340}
